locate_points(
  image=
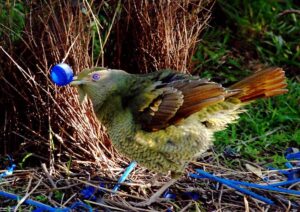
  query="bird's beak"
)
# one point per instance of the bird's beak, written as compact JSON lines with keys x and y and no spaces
{"x":81,"y":92}
{"x":76,"y":81}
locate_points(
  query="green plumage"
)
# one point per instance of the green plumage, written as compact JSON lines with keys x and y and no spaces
{"x":164,"y":119}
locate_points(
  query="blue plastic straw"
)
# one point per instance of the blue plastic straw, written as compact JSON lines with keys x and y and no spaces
{"x":129,"y":169}
{"x":293,"y":156}
{"x":31,"y":202}
{"x":43,"y":207}
{"x":232,"y":185}
{"x":267,"y":187}
{"x":271,"y":187}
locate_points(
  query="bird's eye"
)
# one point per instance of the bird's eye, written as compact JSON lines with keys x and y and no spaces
{"x":96,"y":76}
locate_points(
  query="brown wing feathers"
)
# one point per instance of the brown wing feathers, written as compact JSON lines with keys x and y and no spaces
{"x":171,"y":101}
{"x":201,"y":96}
{"x":181,"y":98}
{"x":163,"y":108}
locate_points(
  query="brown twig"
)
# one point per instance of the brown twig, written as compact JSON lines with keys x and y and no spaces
{"x":48,"y":175}
{"x":287,"y":12}
{"x":27,"y":195}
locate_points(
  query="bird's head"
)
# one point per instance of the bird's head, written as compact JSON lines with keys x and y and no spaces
{"x":99,"y":83}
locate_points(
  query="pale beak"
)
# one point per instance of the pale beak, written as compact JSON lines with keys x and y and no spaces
{"x":76,"y":81}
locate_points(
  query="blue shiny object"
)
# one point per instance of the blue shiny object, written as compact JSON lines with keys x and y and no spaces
{"x":129,"y":169}
{"x":61,"y":74}
{"x":169,"y":195}
{"x":9,"y":169}
{"x":89,"y":193}
{"x":201,"y":173}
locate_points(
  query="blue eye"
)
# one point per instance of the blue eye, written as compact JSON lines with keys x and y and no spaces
{"x":96,"y":76}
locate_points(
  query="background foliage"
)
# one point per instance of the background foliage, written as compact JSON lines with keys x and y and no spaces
{"x":245,"y":36}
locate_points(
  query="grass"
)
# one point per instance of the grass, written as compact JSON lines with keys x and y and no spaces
{"x":266,"y":130}
{"x":12,"y":18}
{"x":254,"y":35}
{"x":273,"y":37}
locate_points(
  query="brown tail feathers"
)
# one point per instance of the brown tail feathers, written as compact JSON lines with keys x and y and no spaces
{"x":265,"y":83}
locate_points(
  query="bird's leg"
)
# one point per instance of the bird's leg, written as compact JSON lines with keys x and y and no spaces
{"x":154,"y":180}
{"x":156,"y":195}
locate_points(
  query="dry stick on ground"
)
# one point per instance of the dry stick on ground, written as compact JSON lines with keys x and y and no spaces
{"x":247,"y":209}
{"x":68,"y":200}
{"x":48,"y":175}
{"x":286,"y":12}
{"x":125,"y":205}
{"x":220,"y":195}
{"x":104,"y":205}
{"x":27,"y":195}
{"x":187,"y":206}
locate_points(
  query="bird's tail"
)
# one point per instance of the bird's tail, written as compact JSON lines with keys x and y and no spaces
{"x":262,"y":84}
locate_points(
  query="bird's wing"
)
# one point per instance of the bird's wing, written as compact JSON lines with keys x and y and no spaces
{"x":161,"y":109}
{"x":168,"y":97}
{"x":171,"y":97}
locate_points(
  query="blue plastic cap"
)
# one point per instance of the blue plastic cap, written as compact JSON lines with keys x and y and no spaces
{"x":61,"y":74}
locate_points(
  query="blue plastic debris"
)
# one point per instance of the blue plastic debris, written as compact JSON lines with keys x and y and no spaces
{"x":201,"y":173}
{"x":9,"y":169}
{"x":38,"y":205}
{"x":168,"y":195}
{"x":293,"y":156}
{"x":77,"y":206}
{"x":270,"y":187}
{"x":293,"y":176}
{"x":294,"y":172}
{"x":169,"y":210}
{"x":30,"y":202}
{"x":61,"y":74}
{"x":89,"y":193}
{"x":129,"y":169}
